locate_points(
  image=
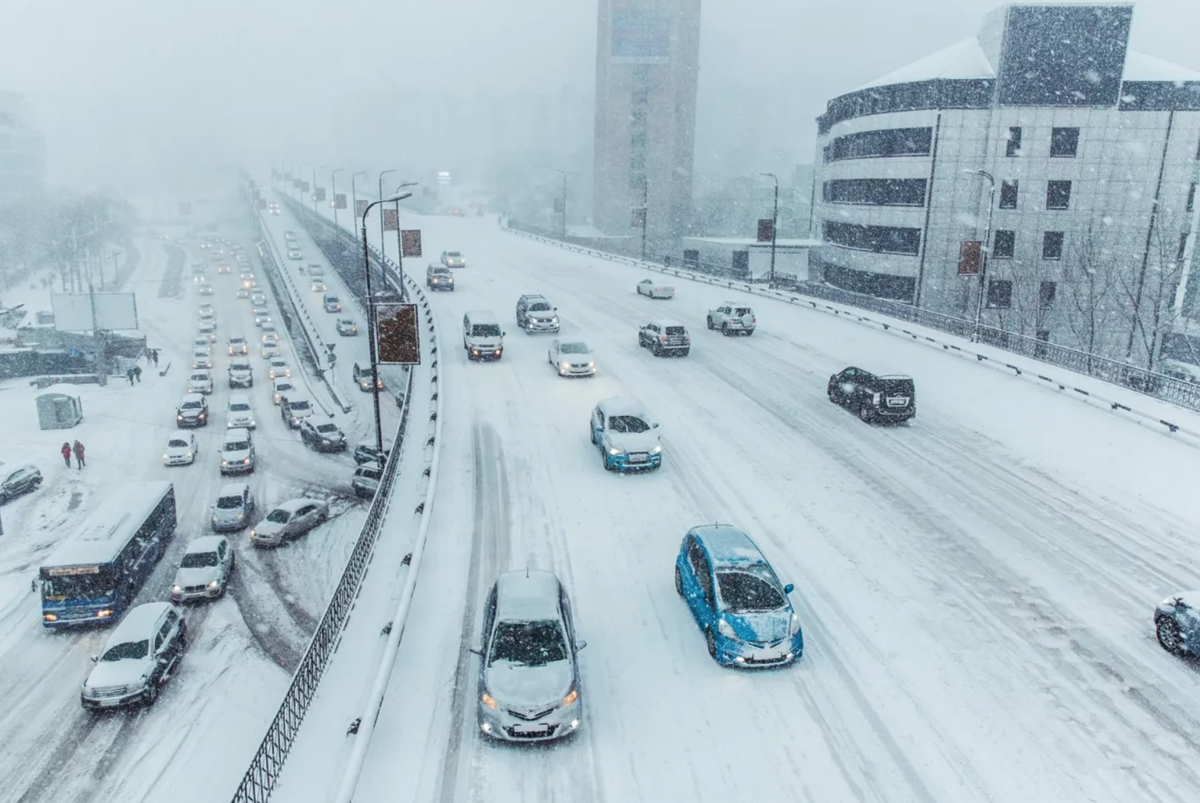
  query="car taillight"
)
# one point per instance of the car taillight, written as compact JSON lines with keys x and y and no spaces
{"x":663,"y":338}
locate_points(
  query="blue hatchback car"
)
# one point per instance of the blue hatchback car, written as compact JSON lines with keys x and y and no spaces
{"x":736,"y":599}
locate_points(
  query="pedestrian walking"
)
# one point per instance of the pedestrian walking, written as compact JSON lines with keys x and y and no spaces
{"x":129,"y":376}
{"x":66,"y":453}
{"x":154,"y":356}
{"x":137,"y":372}
{"x":79,"y":455}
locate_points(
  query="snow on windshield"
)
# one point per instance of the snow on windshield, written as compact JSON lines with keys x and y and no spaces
{"x":198,"y":560}
{"x":528,"y":643}
{"x":129,"y":650}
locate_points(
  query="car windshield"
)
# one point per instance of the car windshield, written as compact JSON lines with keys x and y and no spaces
{"x":627,"y":423}
{"x":528,"y":643}
{"x":442,"y":271}
{"x":749,"y":590}
{"x":675,"y":330}
{"x":540,"y":306}
{"x":573,"y":348}
{"x":199,"y":377}
{"x":236,"y":446}
{"x":240,"y":366}
{"x":279,"y":516}
{"x":486,"y":330}
{"x":237,"y":341}
{"x":331,"y":299}
{"x":198,"y":560}
{"x":191,"y":405}
{"x":229,"y":502}
{"x":281,"y":386}
{"x":129,"y":650}
{"x":176,"y":443}
{"x":453,"y":254}
{"x":239,"y":407}
{"x":326,"y":428}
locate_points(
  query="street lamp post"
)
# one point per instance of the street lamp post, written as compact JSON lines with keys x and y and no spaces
{"x":645,"y":212}
{"x":314,"y":186}
{"x":400,"y":242}
{"x":381,"y":175}
{"x":371,"y":319}
{"x":774,"y":228}
{"x":564,"y":200}
{"x":333,"y":190}
{"x":987,"y":248}
{"x":354,"y":194}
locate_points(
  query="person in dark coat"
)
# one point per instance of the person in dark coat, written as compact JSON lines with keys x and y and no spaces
{"x":129,"y":376}
{"x":154,"y":356}
{"x":79,"y":455}
{"x":66,"y":453}
{"x":137,"y":372}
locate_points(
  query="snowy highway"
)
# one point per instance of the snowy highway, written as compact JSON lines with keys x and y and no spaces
{"x":976,"y":588}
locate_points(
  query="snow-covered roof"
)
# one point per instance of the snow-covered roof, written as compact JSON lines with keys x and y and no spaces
{"x":964,"y":59}
{"x":111,"y":527}
{"x":137,"y":622}
{"x":751,"y":241}
{"x":1140,"y":67}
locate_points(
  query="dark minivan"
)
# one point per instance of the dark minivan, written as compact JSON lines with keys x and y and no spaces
{"x":874,"y":398}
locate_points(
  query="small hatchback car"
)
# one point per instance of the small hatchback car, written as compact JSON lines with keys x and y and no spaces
{"x":289,"y":520}
{"x":1177,"y":623}
{"x":141,"y":655}
{"x":625,"y":436}
{"x":736,"y":599}
{"x":529,"y":669}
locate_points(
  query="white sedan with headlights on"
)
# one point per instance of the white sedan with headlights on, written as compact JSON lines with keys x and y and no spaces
{"x":181,"y":449}
{"x":572,"y":358}
{"x":647,"y":287}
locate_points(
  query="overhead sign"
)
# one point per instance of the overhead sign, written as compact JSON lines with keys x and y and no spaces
{"x":360,"y":208}
{"x":444,"y":177}
{"x":410,"y":241}
{"x":397,"y":334}
{"x":391,"y":220}
{"x":319,"y":194}
{"x":73,"y":311}
{"x":262,"y":203}
{"x":339,"y":200}
{"x":766,"y":230}
{"x":297,"y":183}
{"x":970,"y":256}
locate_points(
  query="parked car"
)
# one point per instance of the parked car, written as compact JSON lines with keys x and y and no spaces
{"x":453,"y":259}
{"x":192,"y":411}
{"x":238,"y":345}
{"x":277,"y":368}
{"x":294,"y":410}
{"x":346,"y":327}
{"x":237,"y":452}
{"x":200,"y":382}
{"x":331,"y":303}
{"x":529,"y":685}
{"x":439,"y":277}
{"x":19,"y":481}
{"x":239,"y":414}
{"x":536,"y":314}
{"x":181,"y":449}
{"x":571,"y":358}
{"x":204,"y":569}
{"x":648,"y":287}
{"x":201,"y":359}
{"x":365,"y":481}
{"x":369,"y":453}
{"x":233,"y":508}
{"x":625,"y":436}
{"x":322,"y":436}
{"x":289,"y":520}
{"x":1177,"y":623}
{"x":874,"y":398}
{"x":281,"y":387}
{"x":241,"y":373}
{"x":663,"y":336}
{"x":736,"y":599}
{"x":733,"y":319}
{"x":141,"y":654}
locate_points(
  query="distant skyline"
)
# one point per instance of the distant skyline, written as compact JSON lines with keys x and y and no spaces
{"x":129,"y":87}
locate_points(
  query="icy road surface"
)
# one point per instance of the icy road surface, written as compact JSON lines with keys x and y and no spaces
{"x":976,"y":588}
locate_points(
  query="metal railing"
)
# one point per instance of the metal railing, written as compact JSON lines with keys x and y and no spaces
{"x":1151,"y":383}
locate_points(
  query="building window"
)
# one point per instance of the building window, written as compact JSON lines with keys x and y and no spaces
{"x":875,"y":191}
{"x":1191,"y":204}
{"x":999,"y":294}
{"x":1004,"y":244}
{"x":1183,"y":238}
{"x":1052,"y":245}
{"x":881,"y":239}
{"x":883,"y":143}
{"x":1046,"y":293}
{"x":1058,"y":195}
{"x":1013,"y":146}
{"x":1064,"y":142}
{"x":637,"y":182}
{"x":1008,"y":194}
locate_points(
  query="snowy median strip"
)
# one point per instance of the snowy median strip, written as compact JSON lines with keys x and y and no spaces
{"x":1188,"y":434}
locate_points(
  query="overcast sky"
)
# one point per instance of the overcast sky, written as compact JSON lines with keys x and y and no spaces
{"x":118,"y":84}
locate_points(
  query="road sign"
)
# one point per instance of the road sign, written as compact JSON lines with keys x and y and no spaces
{"x":639,"y":218}
{"x":339,"y":200}
{"x":391,"y":220}
{"x":319,"y":194}
{"x":360,"y":208}
{"x":262,"y":203}
{"x":970,"y":255}
{"x":185,"y":208}
{"x":397,"y":334}
{"x":411,"y":241}
{"x":766,"y":230}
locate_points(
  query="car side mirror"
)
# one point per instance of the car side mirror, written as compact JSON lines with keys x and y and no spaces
{"x":504,"y":334}
{"x":579,"y":645}
{"x":476,"y":651}
{"x":163,"y":661}
{"x":95,"y":659}
{"x":789,"y":588}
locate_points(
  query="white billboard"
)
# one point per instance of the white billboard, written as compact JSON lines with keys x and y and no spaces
{"x":114,"y":311}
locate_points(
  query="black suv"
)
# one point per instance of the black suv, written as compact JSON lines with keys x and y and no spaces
{"x":323,"y":436}
{"x":874,"y":398}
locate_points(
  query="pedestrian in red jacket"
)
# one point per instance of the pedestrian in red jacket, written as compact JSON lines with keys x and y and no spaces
{"x":66,"y":453}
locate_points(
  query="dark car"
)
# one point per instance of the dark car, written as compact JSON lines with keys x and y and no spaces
{"x":362,"y":377}
{"x":368,"y":453}
{"x":1177,"y":623}
{"x":874,"y":398}
{"x":323,"y":436}
{"x":19,"y":481}
{"x":192,"y":411}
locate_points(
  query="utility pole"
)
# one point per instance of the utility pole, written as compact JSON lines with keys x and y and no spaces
{"x":564,"y":200}
{"x":314,"y":187}
{"x":645,"y":212}
{"x":354,"y":196}
{"x":774,"y":230}
{"x":381,"y":175}
{"x":333,"y":190}
{"x":983,"y":257}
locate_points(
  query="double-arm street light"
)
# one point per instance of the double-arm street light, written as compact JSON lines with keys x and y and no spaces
{"x":987,"y":248}
{"x":333,"y":191}
{"x":774,"y":227}
{"x":371,"y":317}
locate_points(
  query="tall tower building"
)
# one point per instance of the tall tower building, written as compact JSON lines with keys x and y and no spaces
{"x":647,"y":66}
{"x":22,"y":150}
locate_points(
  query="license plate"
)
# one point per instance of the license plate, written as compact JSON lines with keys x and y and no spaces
{"x":531,"y":730}
{"x":109,"y":702}
{"x":637,"y":459}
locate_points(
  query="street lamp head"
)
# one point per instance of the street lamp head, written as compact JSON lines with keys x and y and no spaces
{"x":399,"y":197}
{"x":406,"y":184}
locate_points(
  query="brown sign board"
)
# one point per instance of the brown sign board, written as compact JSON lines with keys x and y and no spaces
{"x":410,"y":240}
{"x":398,"y":334}
{"x":970,"y":255}
{"x":339,"y":200}
{"x":766,"y":230}
{"x":391,"y":220}
{"x":360,"y":208}
{"x":319,"y":194}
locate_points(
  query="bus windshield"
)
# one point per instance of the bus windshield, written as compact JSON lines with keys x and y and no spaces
{"x":79,"y":586}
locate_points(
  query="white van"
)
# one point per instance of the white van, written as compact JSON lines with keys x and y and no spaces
{"x":482,"y":337}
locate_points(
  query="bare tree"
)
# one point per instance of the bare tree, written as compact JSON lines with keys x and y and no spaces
{"x":1091,"y":299}
{"x":1150,"y":291}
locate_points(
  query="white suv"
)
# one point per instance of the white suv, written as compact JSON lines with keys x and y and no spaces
{"x":140,"y":655}
{"x":733,"y":319}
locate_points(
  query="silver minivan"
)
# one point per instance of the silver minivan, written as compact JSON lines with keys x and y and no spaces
{"x":483,"y":339}
{"x":234,"y":507}
{"x":528,"y":669}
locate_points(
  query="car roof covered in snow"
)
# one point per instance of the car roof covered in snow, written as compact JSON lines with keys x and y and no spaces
{"x":192,"y":397}
{"x":527,"y":595}
{"x":233,"y":489}
{"x":137,"y":623}
{"x":665,"y":322}
{"x":619,"y":406}
{"x":728,"y":545}
{"x":205,"y":543}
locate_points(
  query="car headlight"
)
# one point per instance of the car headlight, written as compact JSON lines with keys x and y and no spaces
{"x":188,"y":455}
{"x":794,"y":626}
{"x":566,"y":364}
{"x":554,"y":320}
{"x":241,"y":516}
{"x":177,"y":589}
{"x":166,"y":456}
{"x":214,"y":584}
{"x":614,"y":451}
{"x":591,"y":363}
{"x":224,"y":462}
{"x":246,"y":461}
{"x":726,"y":629}
{"x":488,"y":700}
{"x":656,"y":449}
{"x":178,"y":418}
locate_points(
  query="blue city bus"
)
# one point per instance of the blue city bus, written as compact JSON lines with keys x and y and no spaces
{"x":92,"y":578}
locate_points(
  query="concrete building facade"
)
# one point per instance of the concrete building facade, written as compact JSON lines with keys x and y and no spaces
{"x":1093,"y":151}
{"x":647,"y":68}
{"x":22,"y":150}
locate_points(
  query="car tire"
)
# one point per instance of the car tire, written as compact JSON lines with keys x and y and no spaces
{"x":833,"y":395}
{"x":592,"y":435}
{"x":655,"y":350}
{"x":604,"y":459}
{"x":749,"y":332}
{"x":151,"y":695}
{"x":685,"y":352}
{"x":725,"y":329}
{"x":865,"y":415}
{"x":1169,"y":636}
{"x":710,"y":641}
{"x":678,"y":581}
{"x":710,"y":323}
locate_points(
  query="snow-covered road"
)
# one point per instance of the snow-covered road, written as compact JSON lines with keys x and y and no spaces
{"x":976,"y":588}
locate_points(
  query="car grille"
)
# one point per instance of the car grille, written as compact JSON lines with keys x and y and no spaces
{"x":109,"y":691}
{"x":194,"y":589}
{"x":530,"y":717}
{"x":579,"y":365}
